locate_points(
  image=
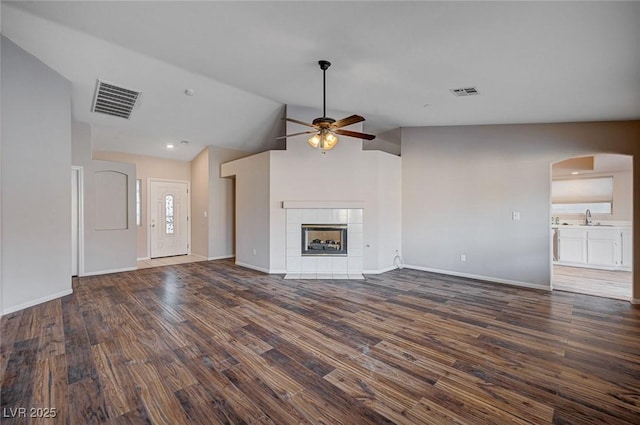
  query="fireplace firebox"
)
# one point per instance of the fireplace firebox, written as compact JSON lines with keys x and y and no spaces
{"x":324,"y":239}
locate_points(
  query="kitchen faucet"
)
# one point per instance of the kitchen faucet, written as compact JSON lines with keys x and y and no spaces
{"x":587,"y":217}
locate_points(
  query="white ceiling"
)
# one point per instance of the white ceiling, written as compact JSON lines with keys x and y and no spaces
{"x":531,"y":61}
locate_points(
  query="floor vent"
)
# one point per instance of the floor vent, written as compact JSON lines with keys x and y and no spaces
{"x":114,"y":100}
{"x":465,"y":91}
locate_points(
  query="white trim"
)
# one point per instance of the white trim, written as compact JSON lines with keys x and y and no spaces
{"x":380,"y":271}
{"x":479,"y":277}
{"x":38,"y":301}
{"x":148,"y":224}
{"x":144,"y":258}
{"x":99,"y":272}
{"x":322,"y":204}
{"x":634,"y":300}
{"x":221,"y":257}
{"x":80,"y":218}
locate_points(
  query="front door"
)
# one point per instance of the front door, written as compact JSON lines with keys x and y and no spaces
{"x":168,"y":221}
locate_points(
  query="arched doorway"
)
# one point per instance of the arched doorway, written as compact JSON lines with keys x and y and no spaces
{"x":591,"y":220}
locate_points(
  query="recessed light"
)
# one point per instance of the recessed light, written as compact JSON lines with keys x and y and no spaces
{"x":189,"y":92}
{"x":170,"y":146}
{"x":575,"y":172}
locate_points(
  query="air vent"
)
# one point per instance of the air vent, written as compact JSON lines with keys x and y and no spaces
{"x":465,"y":91}
{"x":114,"y":100}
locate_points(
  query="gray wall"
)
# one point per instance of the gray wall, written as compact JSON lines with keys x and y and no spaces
{"x":147,"y":167}
{"x":1,"y":298}
{"x":252,"y":215}
{"x":36,"y":183}
{"x":200,"y":204}
{"x":221,"y":204}
{"x":461,"y":184}
{"x":213,"y":235}
{"x":104,"y":250}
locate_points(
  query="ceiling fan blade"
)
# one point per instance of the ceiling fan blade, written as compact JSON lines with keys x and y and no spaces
{"x":355,"y":134}
{"x":300,"y":122}
{"x":296,"y":134}
{"x":347,"y":121}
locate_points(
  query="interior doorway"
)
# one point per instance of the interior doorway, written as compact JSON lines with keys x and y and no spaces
{"x":591,"y":225}
{"x":169,"y":230}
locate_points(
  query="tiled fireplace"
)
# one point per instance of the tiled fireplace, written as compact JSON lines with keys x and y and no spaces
{"x":324,"y":243}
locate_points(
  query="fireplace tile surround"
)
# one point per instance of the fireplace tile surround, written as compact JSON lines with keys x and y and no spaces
{"x":324,"y":267}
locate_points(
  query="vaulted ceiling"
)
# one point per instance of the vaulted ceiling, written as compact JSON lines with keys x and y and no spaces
{"x":393,"y":62}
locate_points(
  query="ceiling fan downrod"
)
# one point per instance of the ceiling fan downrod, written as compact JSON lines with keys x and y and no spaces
{"x":324,"y":65}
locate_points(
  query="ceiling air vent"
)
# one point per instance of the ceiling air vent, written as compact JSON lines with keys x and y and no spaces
{"x":114,"y":100}
{"x":465,"y":91}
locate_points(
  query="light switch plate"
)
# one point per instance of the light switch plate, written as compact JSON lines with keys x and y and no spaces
{"x":515,"y":215}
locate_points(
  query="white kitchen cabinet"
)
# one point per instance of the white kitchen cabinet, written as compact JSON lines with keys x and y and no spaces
{"x":596,"y":247}
{"x":602,"y":252}
{"x":626,"y":236}
{"x":572,"y":246}
{"x":603,"y":247}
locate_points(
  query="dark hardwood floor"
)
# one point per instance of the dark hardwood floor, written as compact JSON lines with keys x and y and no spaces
{"x":213,"y":343}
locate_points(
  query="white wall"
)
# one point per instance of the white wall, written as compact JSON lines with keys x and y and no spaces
{"x":36,"y":184}
{"x":461,"y":184}
{"x":104,"y":250}
{"x":346,"y":173}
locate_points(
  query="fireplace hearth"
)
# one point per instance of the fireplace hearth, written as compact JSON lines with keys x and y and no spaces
{"x":324,"y":239}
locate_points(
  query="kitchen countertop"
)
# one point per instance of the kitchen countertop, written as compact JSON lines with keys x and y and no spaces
{"x":592,"y":226}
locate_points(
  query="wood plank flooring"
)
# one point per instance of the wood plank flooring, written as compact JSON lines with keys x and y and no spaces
{"x":601,"y":283}
{"x":213,"y":343}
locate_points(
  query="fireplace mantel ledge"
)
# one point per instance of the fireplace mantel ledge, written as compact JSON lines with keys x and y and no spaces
{"x":321,"y":204}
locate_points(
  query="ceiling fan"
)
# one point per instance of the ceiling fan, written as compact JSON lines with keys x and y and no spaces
{"x":326,"y":129}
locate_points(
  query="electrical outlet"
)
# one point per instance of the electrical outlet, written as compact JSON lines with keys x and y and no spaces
{"x":463,"y":258}
{"x":254,"y":251}
{"x":515,"y":215}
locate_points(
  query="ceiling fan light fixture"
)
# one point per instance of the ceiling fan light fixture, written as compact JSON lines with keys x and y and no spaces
{"x":326,"y":127}
{"x":314,"y":141}
{"x":329,"y":141}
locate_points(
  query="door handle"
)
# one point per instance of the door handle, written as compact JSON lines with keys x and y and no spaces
{"x":153,"y":225}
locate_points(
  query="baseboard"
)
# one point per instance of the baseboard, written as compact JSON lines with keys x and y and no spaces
{"x":144,"y":258}
{"x":479,"y":277}
{"x":38,"y":301}
{"x":252,"y":267}
{"x":590,"y":266}
{"x":634,"y":300}
{"x":221,"y":257}
{"x":126,"y":269}
{"x":260,"y":269}
{"x":379,"y":271}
